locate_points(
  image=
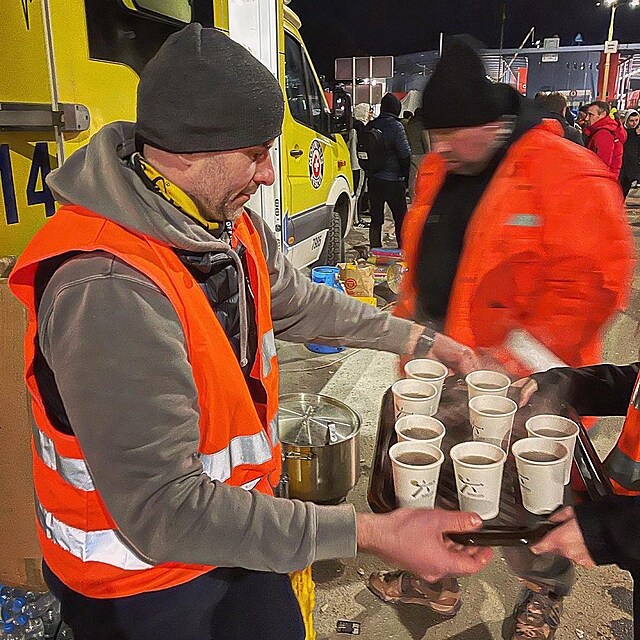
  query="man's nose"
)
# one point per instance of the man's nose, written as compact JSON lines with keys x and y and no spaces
{"x":264,"y":172}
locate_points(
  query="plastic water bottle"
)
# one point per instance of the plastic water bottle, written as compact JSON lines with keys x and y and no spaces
{"x":34,"y":629}
{"x":11,"y":632}
{"x":64,"y":633}
{"x":328,"y":276}
{"x":12,"y":607}
{"x":41,"y":605}
{"x":51,"y":620}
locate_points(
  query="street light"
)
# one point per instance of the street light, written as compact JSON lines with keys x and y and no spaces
{"x":613,"y":4}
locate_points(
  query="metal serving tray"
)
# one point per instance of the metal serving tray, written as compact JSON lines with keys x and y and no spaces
{"x":514,"y":524}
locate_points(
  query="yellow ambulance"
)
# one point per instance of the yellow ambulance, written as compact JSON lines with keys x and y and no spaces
{"x":71,"y":66}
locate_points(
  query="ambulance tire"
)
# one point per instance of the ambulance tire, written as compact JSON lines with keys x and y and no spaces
{"x":335,"y":241}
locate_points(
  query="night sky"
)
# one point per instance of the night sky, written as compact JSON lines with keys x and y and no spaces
{"x":344,"y":28}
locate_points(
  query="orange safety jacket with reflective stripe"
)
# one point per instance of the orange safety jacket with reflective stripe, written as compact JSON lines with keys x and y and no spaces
{"x":238,"y":437}
{"x":623,"y":462}
{"x":548,"y":249}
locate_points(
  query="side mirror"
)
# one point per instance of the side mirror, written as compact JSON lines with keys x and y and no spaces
{"x":341,"y":116}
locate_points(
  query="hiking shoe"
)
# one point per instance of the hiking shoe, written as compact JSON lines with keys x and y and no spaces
{"x":401,"y":587}
{"x":537,"y":614}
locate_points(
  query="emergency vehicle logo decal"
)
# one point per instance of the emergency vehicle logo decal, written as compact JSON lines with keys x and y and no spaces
{"x":316,"y":164}
{"x":25,"y":11}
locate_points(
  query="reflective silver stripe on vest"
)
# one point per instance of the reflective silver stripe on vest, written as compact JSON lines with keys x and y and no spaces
{"x":89,"y":546}
{"x":275,"y":435}
{"x":255,"y":449}
{"x":268,"y":352}
{"x":623,"y":469}
{"x":71,"y":470}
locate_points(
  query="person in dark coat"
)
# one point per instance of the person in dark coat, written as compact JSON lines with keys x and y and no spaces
{"x":556,"y":105}
{"x":389,"y":184}
{"x":606,"y":531}
{"x":630,"y":171}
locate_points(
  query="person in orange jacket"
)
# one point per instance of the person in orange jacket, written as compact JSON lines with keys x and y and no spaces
{"x":512,"y":228}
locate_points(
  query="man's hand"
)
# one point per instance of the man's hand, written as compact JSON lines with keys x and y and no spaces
{"x":527,"y":386}
{"x":456,"y":356}
{"x":566,"y":540}
{"x":414,"y":539}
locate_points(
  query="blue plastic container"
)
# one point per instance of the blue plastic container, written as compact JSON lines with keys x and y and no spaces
{"x":328,"y":276}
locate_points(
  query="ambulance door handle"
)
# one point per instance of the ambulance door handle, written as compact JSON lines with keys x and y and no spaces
{"x":296,"y":153}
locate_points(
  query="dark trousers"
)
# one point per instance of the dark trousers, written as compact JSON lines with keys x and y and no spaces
{"x":224,"y":604}
{"x":554,"y":572}
{"x":625,"y":183}
{"x":383,"y":192}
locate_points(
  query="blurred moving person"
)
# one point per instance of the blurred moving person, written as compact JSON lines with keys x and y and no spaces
{"x":630,"y":172}
{"x":512,"y":227}
{"x":605,"y":136}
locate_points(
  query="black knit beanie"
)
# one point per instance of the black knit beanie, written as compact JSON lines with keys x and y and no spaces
{"x":204,"y":92}
{"x":459,"y":94}
{"x":390,"y":104}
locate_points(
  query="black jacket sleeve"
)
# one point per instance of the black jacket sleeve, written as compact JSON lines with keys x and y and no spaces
{"x":611,"y":528}
{"x":402,"y":149}
{"x":599,"y":390}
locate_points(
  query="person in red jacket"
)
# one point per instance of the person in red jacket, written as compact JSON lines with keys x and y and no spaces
{"x":605,"y":136}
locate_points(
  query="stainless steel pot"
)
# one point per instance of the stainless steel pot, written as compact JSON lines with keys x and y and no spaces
{"x":320,"y":439}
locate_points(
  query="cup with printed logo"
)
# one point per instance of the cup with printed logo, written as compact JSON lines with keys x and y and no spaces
{"x":487,"y":383}
{"x":430,"y":371}
{"x":491,"y":419}
{"x":414,"y":397}
{"x":418,"y":428}
{"x":478,"y":468}
{"x":558,"y":429}
{"x":416,"y":469}
{"x":540,"y":464}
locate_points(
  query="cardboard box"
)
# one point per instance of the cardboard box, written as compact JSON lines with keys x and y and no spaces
{"x":20,"y":557}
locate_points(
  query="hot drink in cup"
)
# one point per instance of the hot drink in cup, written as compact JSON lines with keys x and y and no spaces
{"x":559,"y":429}
{"x":491,"y":419}
{"x":487,"y":383}
{"x":418,"y":428}
{"x":540,"y":464}
{"x":478,"y":468}
{"x":416,"y":469}
{"x":427,"y":370}
{"x":411,"y":397}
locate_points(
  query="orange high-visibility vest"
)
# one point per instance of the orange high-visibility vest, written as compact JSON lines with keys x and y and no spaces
{"x":623,"y":462}
{"x":537,"y":256}
{"x":238,"y":437}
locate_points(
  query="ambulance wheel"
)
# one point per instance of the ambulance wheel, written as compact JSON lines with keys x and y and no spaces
{"x":335,"y":241}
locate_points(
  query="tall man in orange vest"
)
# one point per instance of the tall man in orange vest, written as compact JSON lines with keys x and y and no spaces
{"x":512,"y":227}
{"x":154,"y":299}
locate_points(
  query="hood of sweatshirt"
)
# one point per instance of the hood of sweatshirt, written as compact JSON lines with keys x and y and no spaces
{"x":606,"y":123}
{"x":99,"y":177}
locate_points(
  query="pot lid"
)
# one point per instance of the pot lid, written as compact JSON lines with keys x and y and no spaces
{"x":309,"y":419}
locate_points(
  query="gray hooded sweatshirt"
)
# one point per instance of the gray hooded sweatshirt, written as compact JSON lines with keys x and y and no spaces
{"x":118,"y":353}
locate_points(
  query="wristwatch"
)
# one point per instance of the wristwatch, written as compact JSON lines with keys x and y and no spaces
{"x":424,"y":344}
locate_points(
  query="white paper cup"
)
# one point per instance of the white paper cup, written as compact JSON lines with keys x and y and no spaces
{"x":492,"y":419}
{"x":420,"y":429}
{"x":541,"y":481}
{"x":411,"y":397}
{"x":415,"y":484}
{"x":479,"y":484}
{"x":430,"y":371}
{"x":542,"y":427}
{"x":487,"y":383}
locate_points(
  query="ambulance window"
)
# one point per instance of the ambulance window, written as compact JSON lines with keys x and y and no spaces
{"x":319,"y":114}
{"x":304,"y":95}
{"x":174,"y":9}
{"x":295,"y":81}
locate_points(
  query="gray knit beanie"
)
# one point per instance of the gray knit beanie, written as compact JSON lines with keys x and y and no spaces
{"x":204,"y":92}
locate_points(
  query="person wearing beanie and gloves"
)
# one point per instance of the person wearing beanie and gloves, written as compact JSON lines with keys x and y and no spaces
{"x":630,"y":172}
{"x":512,"y":227}
{"x":388,"y":184}
{"x":154,"y":300}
